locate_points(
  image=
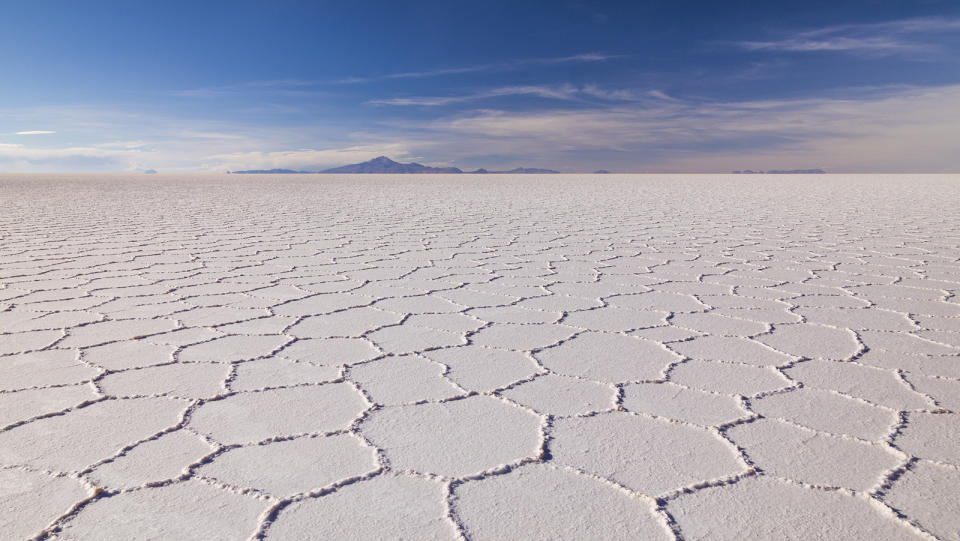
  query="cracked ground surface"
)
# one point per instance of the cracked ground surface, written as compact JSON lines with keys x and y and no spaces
{"x":618,"y":357}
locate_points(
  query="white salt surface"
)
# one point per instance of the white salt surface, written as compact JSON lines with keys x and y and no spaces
{"x":489,"y":357}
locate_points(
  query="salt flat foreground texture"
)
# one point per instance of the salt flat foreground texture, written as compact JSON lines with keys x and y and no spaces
{"x":495,"y":357}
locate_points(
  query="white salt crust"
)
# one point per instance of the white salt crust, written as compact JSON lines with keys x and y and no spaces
{"x":433,"y":357}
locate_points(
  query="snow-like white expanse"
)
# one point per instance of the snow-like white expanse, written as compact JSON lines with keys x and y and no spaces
{"x":483,"y":357}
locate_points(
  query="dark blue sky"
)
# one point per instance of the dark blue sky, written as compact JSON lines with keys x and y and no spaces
{"x":577,"y":86}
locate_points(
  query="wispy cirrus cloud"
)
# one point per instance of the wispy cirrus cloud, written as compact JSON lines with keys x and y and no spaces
{"x":906,"y":36}
{"x":896,"y":129}
{"x":418,"y":74}
{"x":290,"y":86}
{"x":557,"y":93}
{"x":566,"y":92}
{"x":879,"y":45}
{"x":35,"y":132}
{"x":878,"y":129}
{"x":500,"y":66}
{"x":914,"y":25}
{"x":585,"y":57}
{"x":279,"y":88}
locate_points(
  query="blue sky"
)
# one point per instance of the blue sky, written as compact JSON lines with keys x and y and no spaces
{"x":658,"y":86}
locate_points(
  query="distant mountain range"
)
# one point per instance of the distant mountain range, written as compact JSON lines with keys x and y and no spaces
{"x":782,"y":172}
{"x":518,"y":170}
{"x":384,"y":164}
{"x":271,"y":172}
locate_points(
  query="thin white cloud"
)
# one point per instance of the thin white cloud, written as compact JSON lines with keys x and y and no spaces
{"x":898,"y":130}
{"x":437,"y":72}
{"x":291,"y":86}
{"x":906,"y":36}
{"x":872,"y":44}
{"x":898,"y":27}
{"x":500,"y":66}
{"x":560,"y":92}
{"x":659,"y":94}
{"x":419,"y":74}
{"x":586,"y":57}
{"x":36,"y":132}
{"x":893,"y":129}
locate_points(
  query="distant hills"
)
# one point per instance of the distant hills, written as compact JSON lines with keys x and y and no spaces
{"x":782,"y":172}
{"x":383,"y":164}
{"x":271,"y":172}
{"x":519,"y":170}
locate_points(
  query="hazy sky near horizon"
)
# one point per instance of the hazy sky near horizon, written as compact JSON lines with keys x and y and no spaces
{"x":655,"y":86}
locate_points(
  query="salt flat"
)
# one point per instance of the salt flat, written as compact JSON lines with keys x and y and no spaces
{"x":482,"y":357}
